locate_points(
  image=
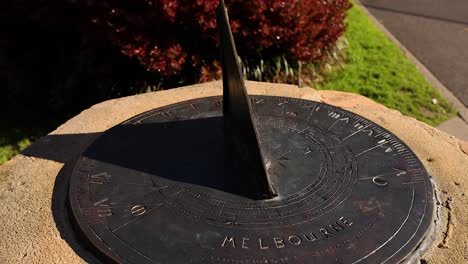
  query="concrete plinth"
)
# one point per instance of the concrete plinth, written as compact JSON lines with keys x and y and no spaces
{"x":34,"y":223}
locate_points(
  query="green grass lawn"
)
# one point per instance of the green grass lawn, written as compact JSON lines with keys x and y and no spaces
{"x":18,"y":130}
{"x":12,"y":141}
{"x":378,"y":69}
{"x":375,"y":68}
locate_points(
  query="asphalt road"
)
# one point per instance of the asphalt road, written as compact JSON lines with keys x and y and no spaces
{"x":435,"y":31}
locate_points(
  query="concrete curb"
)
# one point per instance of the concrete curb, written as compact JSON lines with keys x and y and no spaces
{"x":451,"y":98}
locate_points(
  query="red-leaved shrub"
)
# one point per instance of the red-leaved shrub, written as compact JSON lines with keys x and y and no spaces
{"x":179,"y":37}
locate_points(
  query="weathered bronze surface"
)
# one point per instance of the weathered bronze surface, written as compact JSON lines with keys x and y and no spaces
{"x":162,"y":186}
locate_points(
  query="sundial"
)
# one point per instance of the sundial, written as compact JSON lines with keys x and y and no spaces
{"x":250,"y":179}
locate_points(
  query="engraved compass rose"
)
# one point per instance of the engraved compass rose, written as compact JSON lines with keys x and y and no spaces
{"x":250,"y":179}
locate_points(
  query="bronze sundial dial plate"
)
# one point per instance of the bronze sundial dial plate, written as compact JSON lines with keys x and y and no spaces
{"x":151,"y":189}
{"x":319,"y":185}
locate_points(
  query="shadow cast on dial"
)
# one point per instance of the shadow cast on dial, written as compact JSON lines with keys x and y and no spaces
{"x":192,"y":152}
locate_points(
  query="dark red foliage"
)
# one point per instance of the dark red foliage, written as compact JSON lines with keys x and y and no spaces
{"x":177,"y":37}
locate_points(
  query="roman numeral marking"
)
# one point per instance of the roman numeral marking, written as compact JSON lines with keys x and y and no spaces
{"x":283,"y":104}
{"x":312,"y":110}
{"x":100,"y":178}
{"x":194,"y":106}
{"x":334,"y":115}
{"x":346,"y":119}
{"x":166,"y":114}
{"x":400,"y":171}
{"x":103,"y":207}
{"x":360,"y":128}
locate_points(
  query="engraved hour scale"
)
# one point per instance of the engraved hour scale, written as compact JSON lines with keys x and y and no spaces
{"x":258,"y":179}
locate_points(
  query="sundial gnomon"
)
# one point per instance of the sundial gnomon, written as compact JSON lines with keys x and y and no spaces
{"x":265,"y":180}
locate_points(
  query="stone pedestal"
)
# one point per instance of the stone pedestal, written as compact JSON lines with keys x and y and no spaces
{"x":34,"y":223}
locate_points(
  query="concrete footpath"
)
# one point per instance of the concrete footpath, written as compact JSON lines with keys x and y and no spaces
{"x":434,"y":36}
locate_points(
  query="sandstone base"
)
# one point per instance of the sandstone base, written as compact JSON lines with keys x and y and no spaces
{"x":34,"y":225}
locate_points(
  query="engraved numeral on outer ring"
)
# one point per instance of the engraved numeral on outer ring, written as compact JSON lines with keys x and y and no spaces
{"x":138,"y":210}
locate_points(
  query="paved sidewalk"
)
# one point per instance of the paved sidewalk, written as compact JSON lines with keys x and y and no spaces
{"x":434,"y":35}
{"x":457,"y":127}
{"x":435,"y":31}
